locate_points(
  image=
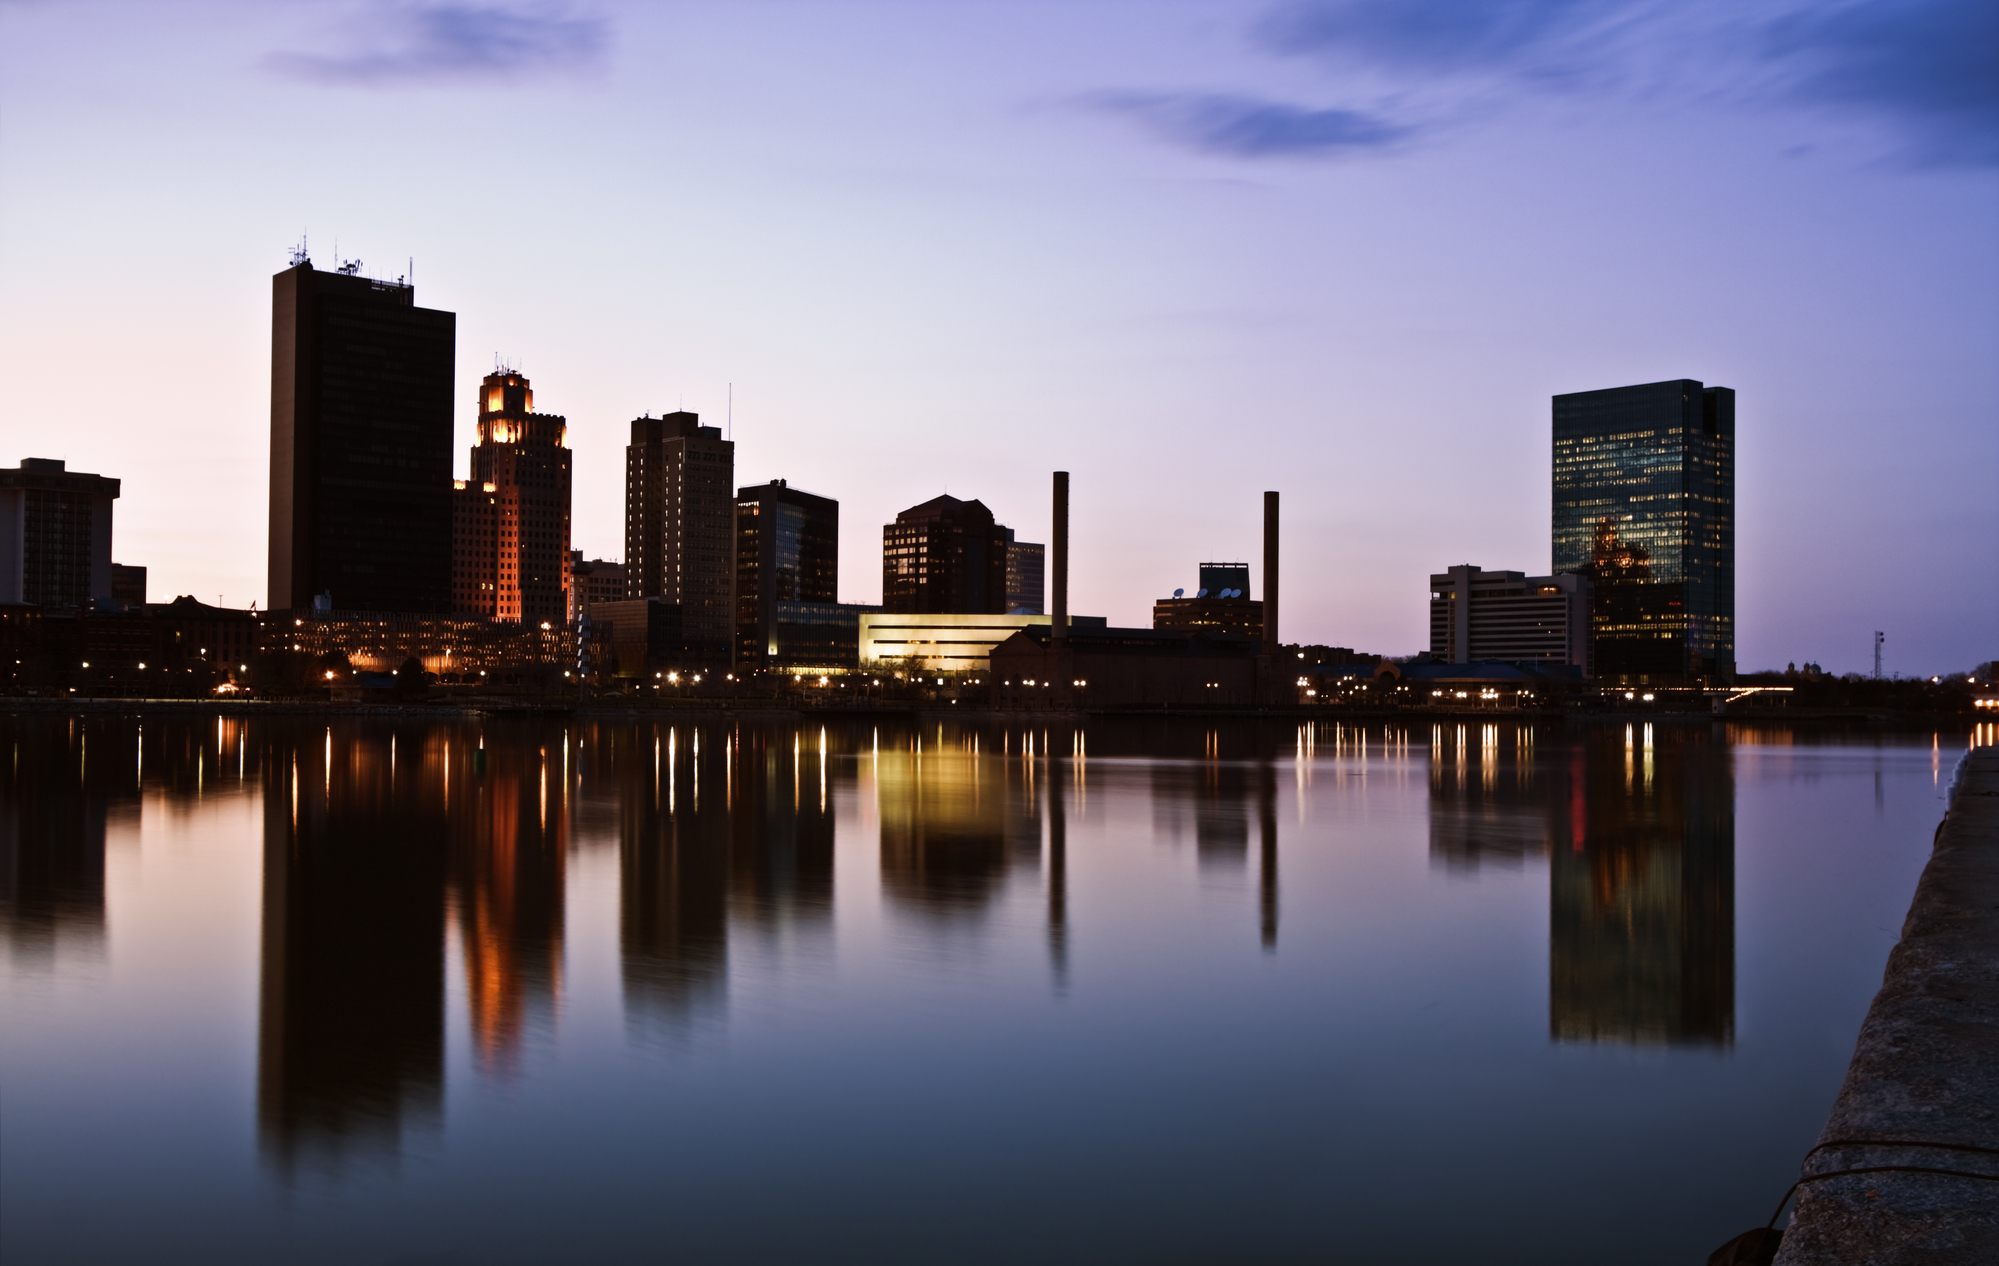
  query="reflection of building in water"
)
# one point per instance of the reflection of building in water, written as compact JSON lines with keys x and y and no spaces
{"x":510,"y":836}
{"x":1486,"y":804}
{"x":1642,"y":889}
{"x":63,"y":778}
{"x":1638,"y":825}
{"x":674,"y":863}
{"x":956,"y":819}
{"x":352,"y":1017}
{"x":717,"y":823}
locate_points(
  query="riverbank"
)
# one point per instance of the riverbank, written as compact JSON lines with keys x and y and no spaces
{"x":1907,"y":1170}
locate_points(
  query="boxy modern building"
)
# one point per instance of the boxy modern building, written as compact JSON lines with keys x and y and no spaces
{"x":55,"y":536}
{"x":1478,"y":615}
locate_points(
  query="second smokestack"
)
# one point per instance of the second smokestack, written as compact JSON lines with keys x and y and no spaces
{"x":1059,"y":609}
{"x":1270,"y":642}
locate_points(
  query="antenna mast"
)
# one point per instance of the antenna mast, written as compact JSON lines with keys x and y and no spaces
{"x":1879,"y":637}
{"x":732,"y":413}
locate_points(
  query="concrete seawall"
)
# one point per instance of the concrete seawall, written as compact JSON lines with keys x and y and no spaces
{"x":1922,"y":1093}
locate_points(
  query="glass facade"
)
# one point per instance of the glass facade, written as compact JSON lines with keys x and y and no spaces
{"x":1644,"y":484}
{"x":787,"y":552}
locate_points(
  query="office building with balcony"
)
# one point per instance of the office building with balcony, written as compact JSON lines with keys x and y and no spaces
{"x":510,"y":519}
{"x":55,"y":536}
{"x":360,"y":500}
{"x":1644,"y":504}
{"x":680,"y":527}
{"x":1478,"y":615}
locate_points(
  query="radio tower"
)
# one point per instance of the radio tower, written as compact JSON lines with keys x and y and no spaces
{"x":1879,"y":637}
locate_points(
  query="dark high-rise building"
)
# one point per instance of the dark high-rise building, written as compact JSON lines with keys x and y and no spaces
{"x":55,"y":535}
{"x":510,"y":520}
{"x":945,"y":557}
{"x":1645,"y":505}
{"x":680,"y":524}
{"x":360,"y":443}
{"x":1026,"y":576}
{"x":787,"y":551}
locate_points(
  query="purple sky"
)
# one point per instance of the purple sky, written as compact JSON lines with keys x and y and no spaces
{"x":1187,"y":251}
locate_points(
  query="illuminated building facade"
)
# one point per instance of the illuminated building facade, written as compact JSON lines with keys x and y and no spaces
{"x":360,"y":444}
{"x":680,"y":525}
{"x":1478,"y":615}
{"x":1644,"y":504}
{"x":945,"y":556}
{"x":510,"y":520}
{"x":55,"y":535}
{"x":787,"y":552}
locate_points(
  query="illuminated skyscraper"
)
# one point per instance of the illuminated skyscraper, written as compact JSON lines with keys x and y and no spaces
{"x":360,"y":443}
{"x":510,"y":520}
{"x":680,"y":524}
{"x":1645,"y":504}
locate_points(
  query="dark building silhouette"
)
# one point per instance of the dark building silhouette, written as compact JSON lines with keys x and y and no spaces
{"x":128,"y":585}
{"x":1026,"y":577}
{"x":351,"y":1026}
{"x":945,"y":557}
{"x":360,"y":444}
{"x":55,"y":536}
{"x":787,"y":551}
{"x":593,"y":580}
{"x":680,"y":524}
{"x":1221,"y":604}
{"x":1644,"y":504}
{"x":510,"y":518}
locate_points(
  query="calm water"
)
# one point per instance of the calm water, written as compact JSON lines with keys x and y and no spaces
{"x":278,"y":991}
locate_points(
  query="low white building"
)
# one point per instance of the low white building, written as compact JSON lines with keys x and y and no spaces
{"x":943,"y":643}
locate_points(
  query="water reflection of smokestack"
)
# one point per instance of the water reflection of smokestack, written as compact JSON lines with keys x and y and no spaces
{"x":1058,"y":870}
{"x":1266,"y":820}
{"x":507,"y":889}
{"x":351,"y":1019}
{"x":63,"y":780}
{"x":674,"y":880}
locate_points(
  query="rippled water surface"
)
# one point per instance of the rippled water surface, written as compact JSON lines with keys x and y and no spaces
{"x":616,"y":991}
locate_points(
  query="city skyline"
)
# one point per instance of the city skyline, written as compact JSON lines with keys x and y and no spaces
{"x":957,"y":270}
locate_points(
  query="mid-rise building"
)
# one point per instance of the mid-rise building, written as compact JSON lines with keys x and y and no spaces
{"x":360,"y":443}
{"x":510,"y":519}
{"x":128,"y":585}
{"x":1221,"y":604}
{"x":593,"y":580}
{"x":55,"y":535}
{"x":945,"y":556}
{"x":1644,"y":503}
{"x":1507,"y":615}
{"x":947,"y":643}
{"x":680,"y":525}
{"x":1026,"y":577}
{"x":787,"y":553}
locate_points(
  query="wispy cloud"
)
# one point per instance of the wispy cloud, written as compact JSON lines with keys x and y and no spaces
{"x":1927,"y":69}
{"x":1250,"y":127}
{"x":1930,"y":66}
{"x":434,"y":43}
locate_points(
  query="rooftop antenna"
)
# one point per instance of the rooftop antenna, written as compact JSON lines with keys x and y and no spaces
{"x":732,"y":413}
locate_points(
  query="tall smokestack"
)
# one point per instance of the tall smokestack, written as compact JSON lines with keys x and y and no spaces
{"x":1059,"y":623}
{"x":1270,"y":642}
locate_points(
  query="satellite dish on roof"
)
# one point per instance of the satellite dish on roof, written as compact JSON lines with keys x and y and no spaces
{"x":1200,"y":593}
{"x":1179,"y":592}
{"x":1228,"y":593}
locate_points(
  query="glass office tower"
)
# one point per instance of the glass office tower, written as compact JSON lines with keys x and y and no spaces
{"x":1645,"y":505}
